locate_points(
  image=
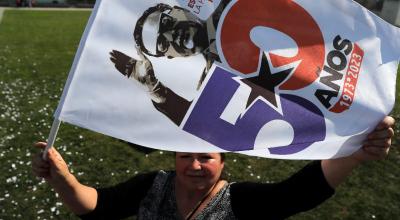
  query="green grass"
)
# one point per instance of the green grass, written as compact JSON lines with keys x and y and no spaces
{"x":36,"y":52}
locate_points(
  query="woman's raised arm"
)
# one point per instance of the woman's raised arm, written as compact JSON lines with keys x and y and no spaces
{"x":80,"y":199}
{"x":376,"y":147}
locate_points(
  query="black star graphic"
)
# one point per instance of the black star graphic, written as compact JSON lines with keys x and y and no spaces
{"x":264,"y":84}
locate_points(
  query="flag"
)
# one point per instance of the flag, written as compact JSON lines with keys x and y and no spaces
{"x":279,"y":79}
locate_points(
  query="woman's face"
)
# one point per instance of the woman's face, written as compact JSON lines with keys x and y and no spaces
{"x":198,"y":171}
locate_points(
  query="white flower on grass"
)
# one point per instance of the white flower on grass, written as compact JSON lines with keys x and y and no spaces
{"x":11,"y":179}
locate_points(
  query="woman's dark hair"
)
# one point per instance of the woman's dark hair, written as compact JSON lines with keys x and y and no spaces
{"x":223,"y":155}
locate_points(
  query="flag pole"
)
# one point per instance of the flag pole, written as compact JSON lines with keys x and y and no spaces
{"x":52,"y":137}
{"x":57,"y":122}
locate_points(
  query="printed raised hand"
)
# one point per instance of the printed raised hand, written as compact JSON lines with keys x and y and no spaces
{"x":140,"y":70}
{"x":124,"y":64}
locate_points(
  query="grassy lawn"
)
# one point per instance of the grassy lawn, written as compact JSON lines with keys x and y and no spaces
{"x":36,"y":52}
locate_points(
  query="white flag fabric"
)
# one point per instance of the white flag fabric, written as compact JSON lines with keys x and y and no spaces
{"x":280,"y":78}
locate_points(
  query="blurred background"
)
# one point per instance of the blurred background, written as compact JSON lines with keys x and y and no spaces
{"x":387,"y":9}
{"x":37,"y":47}
{"x":48,"y":3}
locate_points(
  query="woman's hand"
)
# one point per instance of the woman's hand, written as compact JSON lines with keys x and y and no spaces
{"x":378,"y":142}
{"x":54,"y":170}
{"x":376,"y":147}
{"x":79,"y":198}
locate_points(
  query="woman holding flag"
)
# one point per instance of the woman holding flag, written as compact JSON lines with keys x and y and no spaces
{"x":195,"y":189}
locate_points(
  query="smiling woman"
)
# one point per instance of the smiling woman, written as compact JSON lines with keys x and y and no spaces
{"x":198,"y":172}
{"x":199,"y":176}
{"x":195,"y":189}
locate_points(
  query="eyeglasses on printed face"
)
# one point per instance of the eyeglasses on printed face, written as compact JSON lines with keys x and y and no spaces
{"x":167,"y":23}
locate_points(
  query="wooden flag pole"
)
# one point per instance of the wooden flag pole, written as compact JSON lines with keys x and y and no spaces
{"x":52,"y":137}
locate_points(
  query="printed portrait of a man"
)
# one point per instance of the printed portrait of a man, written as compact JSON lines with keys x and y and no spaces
{"x":171,"y":31}
{"x":168,"y":31}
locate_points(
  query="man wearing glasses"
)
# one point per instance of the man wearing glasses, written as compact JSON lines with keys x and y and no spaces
{"x":165,"y":31}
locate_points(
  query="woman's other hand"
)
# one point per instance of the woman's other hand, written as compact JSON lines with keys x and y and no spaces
{"x":79,"y":198}
{"x":376,"y":147}
{"x":378,"y":142}
{"x":54,"y":170}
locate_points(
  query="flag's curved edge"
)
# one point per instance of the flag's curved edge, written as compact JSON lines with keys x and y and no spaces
{"x":351,"y":144}
{"x":77,"y":57}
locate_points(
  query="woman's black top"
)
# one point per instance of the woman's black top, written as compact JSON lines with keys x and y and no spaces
{"x":244,"y":200}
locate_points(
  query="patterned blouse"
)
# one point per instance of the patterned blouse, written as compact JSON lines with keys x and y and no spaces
{"x":160,"y":202}
{"x":152,"y":196}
